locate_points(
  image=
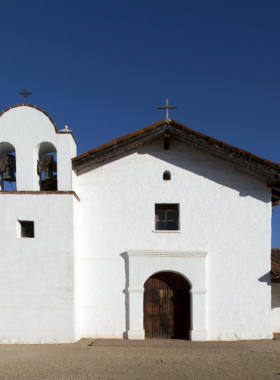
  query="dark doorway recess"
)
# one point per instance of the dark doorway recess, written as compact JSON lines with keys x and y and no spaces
{"x":167,"y":306}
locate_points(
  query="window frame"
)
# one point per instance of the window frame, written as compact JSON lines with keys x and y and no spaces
{"x":167,"y":207}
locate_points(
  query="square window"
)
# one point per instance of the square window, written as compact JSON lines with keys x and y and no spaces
{"x":27,"y":229}
{"x":167,"y":217}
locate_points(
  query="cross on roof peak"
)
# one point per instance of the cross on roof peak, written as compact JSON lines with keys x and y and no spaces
{"x":166,"y":107}
{"x":25,"y":93}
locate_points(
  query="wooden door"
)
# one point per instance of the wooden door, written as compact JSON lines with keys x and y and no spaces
{"x":167,"y":306}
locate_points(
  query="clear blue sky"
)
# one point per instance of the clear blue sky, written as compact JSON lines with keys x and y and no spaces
{"x":102,"y":67}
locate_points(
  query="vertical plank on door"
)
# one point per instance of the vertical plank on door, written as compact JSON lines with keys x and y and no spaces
{"x":166,"y":306}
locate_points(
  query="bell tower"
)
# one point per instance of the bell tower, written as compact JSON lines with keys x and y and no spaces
{"x":34,"y":154}
{"x":36,"y":201}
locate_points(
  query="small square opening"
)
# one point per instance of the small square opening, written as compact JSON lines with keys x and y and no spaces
{"x":27,"y":229}
{"x":167,"y":217}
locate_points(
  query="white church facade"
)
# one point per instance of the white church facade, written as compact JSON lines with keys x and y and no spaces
{"x":162,"y":233}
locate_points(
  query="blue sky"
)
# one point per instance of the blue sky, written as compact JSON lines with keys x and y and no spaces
{"x":102,"y":67}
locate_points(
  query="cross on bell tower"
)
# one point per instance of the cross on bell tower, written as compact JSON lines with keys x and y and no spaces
{"x":25,"y":93}
{"x":167,"y":107}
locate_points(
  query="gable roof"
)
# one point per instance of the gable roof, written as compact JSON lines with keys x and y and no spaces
{"x":275,"y":262}
{"x":173,"y":129}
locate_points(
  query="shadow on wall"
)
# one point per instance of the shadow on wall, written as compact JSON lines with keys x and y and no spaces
{"x":266,"y":278}
{"x":203,"y":164}
{"x":214,"y":169}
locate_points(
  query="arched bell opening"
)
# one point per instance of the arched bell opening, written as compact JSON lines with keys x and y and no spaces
{"x":167,"y":306}
{"x":7,"y":167}
{"x":47,"y":166}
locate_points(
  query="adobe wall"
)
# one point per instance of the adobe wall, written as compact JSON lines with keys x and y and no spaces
{"x":37,"y":274}
{"x":224,"y":211}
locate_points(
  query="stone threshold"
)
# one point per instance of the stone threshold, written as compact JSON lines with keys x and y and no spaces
{"x":164,"y":343}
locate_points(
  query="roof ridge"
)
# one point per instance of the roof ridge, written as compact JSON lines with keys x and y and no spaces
{"x":120,"y":139}
{"x":174,"y":123}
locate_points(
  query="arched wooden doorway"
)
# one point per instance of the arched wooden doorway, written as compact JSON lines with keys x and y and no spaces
{"x":167,"y":306}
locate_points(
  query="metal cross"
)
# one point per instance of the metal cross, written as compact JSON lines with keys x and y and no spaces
{"x":167,"y":107}
{"x":25,"y":93}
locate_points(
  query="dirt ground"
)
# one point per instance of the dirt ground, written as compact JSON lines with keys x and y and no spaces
{"x":103,"y":359}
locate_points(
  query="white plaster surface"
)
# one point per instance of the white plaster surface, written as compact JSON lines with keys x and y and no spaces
{"x":224,"y":210}
{"x":26,"y":128}
{"x":190,"y":264}
{"x":74,"y":280}
{"x":36,"y":275}
{"x":275,"y":307}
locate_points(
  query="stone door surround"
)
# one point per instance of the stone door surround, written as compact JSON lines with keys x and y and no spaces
{"x":190,"y":264}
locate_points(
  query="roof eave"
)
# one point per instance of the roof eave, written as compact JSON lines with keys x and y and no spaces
{"x":115,"y":149}
{"x":237,"y":156}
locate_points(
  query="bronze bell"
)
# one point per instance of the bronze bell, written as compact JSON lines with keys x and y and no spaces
{"x":48,"y":174}
{"x":9,"y":174}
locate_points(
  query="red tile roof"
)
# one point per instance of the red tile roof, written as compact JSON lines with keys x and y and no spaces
{"x":183,"y":128}
{"x":120,"y":139}
{"x":275,"y":261}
